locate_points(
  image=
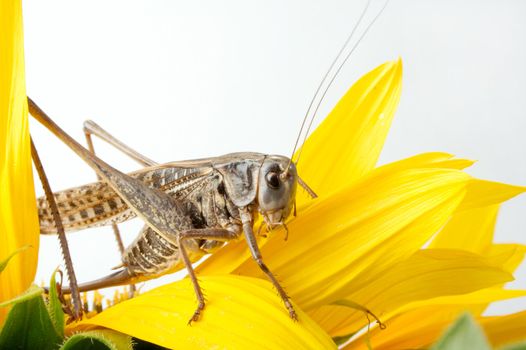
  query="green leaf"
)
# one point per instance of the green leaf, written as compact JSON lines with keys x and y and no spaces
{"x":55,"y":306}
{"x":516,"y":346}
{"x":98,"y":340}
{"x":463,"y":334}
{"x":4,"y":262}
{"x":32,"y":292}
{"x":28,"y":326}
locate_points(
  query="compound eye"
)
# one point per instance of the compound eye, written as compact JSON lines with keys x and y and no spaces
{"x":272,"y":179}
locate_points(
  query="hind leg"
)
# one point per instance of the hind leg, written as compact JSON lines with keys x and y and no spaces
{"x":91,"y":128}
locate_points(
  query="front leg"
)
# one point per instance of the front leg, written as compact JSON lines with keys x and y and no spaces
{"x":216,"y":234}
{"x":246,"y":219}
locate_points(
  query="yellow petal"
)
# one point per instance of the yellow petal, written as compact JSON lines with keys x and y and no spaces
{"x":470,"y":230}
{"x":464,"y":301}
{"x":414,"y":330}
{"x":352,"y":135}
{"x":425,"y":275}
{"x":507,"y":256}
{"x":419,"y":325}
{"x":429,"y":160}
{"x":482,"y":193}
{"x":503,"y":256}
{"x":362,"y":229}
{"x":502,"y":330}
{"x":18,"y":217}
{"x":349,"y":139}
{"x":232,"y":256}
{"x":241,"y":313}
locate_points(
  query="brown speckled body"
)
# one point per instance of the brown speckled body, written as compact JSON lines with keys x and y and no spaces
{"x":199,"y":189}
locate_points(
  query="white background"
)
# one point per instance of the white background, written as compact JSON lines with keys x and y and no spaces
{"x":180,"y":80}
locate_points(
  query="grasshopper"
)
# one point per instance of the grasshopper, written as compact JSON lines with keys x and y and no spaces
{"x":190,"y":208}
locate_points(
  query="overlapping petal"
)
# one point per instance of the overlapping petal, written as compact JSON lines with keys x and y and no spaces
{"x":361,"y":226}
{"x":412,"y":330}
{"x":351,"y":137}
{"x":425,"y":275}
{"x":470,"y":230}
{"x":502,"y":330}
{"x":366,"y":228}
{"x":241,"y":313}
{"x":359,"y":125}
{"x":324,"y":260}
{"x":473,"y":229}
{"x":18,"y":218}
{"x":419,"y":325}
{"x":483,"y":193}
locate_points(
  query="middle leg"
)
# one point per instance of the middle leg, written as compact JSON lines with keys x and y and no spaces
{"x":216,"y":234}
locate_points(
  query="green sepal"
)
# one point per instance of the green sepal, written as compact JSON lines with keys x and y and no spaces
{"x":4,"y":262}
{"x":98,"y":340}
{"x":32,"y":292}
{"x":55,"y":306}
{"x":463,"y":334}
{"x":28,"y":326}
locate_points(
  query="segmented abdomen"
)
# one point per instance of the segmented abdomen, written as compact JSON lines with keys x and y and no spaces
{"x":151,"y":254}
{"x":86,"y":206}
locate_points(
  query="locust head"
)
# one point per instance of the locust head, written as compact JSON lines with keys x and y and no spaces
{"x":277,"y":182}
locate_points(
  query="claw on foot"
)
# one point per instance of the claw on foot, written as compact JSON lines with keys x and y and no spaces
{"x":292,"y":312}
{"x":197,"y":314}
{"x":293,"y":315}
{"x":286,"y":231}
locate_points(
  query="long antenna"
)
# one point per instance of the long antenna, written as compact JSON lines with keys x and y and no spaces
{"x":342,"y":49}
{"x":338,"y":71}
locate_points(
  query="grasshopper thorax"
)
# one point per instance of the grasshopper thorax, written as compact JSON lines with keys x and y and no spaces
{"x":276,"y":189}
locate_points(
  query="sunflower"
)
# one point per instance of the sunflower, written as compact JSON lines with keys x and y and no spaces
{"x":18,"y":219}
{"x":410,"y":242}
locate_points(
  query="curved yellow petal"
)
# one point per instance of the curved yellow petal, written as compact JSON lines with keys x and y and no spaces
{"x":420,"y":324}
{"x":470,"y":230}
{"x":425,"y":275}
{"x":381,"y":220}
{"x":349,"y":140}
{"x":507,"y":256}
{"x":464,"y":301}
{"x":483,"y":193}
{"x":429,"y":160}
{"x":502,"y":330}
{"x":241,"y":313}
{"x":412,"y":330}
{"x":18,"y":217}
{"x":233,"y":255}
{"x":351,"y":137}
